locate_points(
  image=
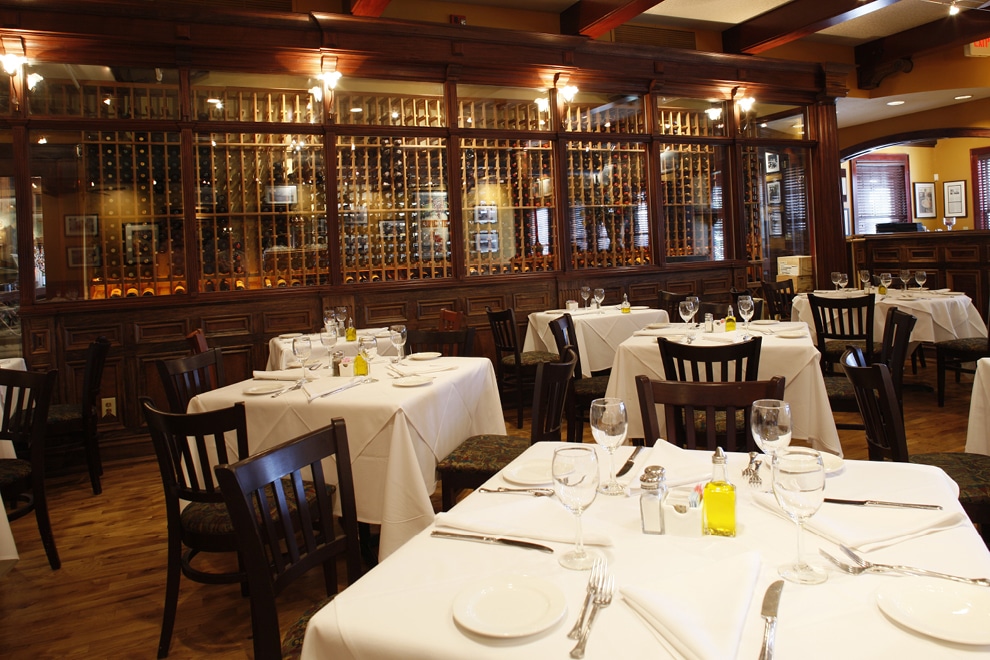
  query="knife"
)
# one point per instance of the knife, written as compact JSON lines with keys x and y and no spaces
{"x":353,"y":383}
{"x":902,"y":505}
{"x":478,"y":538}
{"x":771,"y":601}
{"x":628,"y":465}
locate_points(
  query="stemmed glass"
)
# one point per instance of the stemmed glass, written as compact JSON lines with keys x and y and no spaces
{"x":585,"y":295}
{"x":302,"y":347}
{"x":746,"y":308}
{"x":686,"y":310}
{"x":864,"y":278}
{"x":368,"y":346}
{"x":905,"y":277}
{"x":949,"y":222}
{"x":608,"y":426}
{"x":799,"y":486}
{"x":329,"y":318}
{"x":843,"y":280}
{"x":835,"y":279}
{"x":575,"y":482}
{"x":920,"y":277}
{"x":695,"y":305}
{"x":770,"y":421}
{"x":397,"y":333}
{"x":342,"y":319}
{"x":885,"y":280}
{"x":599,"y":297}
{"x":328,"y":337}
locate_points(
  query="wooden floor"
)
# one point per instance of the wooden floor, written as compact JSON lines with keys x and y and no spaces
{"x":106,"y":600}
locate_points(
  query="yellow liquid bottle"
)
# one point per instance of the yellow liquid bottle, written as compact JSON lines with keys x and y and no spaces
{"x":360,"y":365}
{"x":626,"y":307}
{"x":719,"y":500}
{"x":350,"y":334}
{"x":730,"y":320}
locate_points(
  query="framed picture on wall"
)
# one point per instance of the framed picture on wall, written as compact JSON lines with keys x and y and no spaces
{"x":78,"y":257}
{"x":773,"y":192}
{"x":82,"y":225}
{"x":924,"y":200}
{"x":955,"y":198}
{"x":773,"y":162}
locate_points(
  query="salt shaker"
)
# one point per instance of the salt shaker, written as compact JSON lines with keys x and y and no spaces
{"x":653,"y":486}
{"x":709,"y":322}
{"x":338,"y":357}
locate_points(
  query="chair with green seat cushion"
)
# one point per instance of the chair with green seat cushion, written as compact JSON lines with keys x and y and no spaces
{"x":284,"y":533}
{"x":954,"y":355}
{"x":479,"y":457}
{"x":843,"y":322}
{"x":584,"y":389}
{"x":514,"y":368}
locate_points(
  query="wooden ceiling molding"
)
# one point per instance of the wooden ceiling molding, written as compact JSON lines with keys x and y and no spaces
{"x":368,"y":8}
{"x":593,"y":18}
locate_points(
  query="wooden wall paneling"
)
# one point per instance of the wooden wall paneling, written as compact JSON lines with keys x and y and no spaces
{"x":377,"y":314}
{"x":525,"y":302}
{"x":428,"y":311}
{"x":968,"y":281}
{"x":230,"y":325}
{"x":954,"y":254}
{"x":155,"y":331}
{"x":239,"y":361}
{"x":291,"y":320}
{"x":644,"y":293}
{"x":79,"y":338}
{"x":886,"y":255}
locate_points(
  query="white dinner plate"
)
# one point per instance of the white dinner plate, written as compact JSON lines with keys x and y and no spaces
{"x":428,"y":355}
{"x":946,"y":610}
{"x":509,"y":606}
{"x":640,"y":307}
{"x":792,"y":334}
{"x":290,"y":335}
{"x":412,"y":381}
{"x":270,"y":388}
{"x":766,"y":322}
{"x":532,"y":473}
{"x":832,"y":462}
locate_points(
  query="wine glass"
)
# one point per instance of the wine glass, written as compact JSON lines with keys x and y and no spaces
{"x":341,"y":319}
{"x":599,"y":297}
{"x":302,"y":347}
{"x":746,"y":308}
{"x":608,"y":426}
{"x":686,"y":310}
{"x":949,"y":222}
{"x":835,"y":279}
{"x":864,"y":278}
{"x":843,"y":280}
{"x":329,"y":318}
{"x":799,"y":486}
{"x":905,"y":277}
{"x":328,"y":337}
{"x":368,"y":346}
{"x":770,"y":421}
{"x":695,"y":305}
{"x":885,"y":280}
{"x":397,"y":333}
{"x":586,"y":295}
{"x":575,"y":482}
{"x":920,"y":277}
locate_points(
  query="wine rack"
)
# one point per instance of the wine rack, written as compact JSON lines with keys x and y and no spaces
{"x":56,"y":97}
{"x":503,"y":114}
{"x":611,"y":115}
{"x":753,"y":206}
{"x":389,"y":110}
{"x":393,"y":208}
{"x":682,"y":121}
{"x":252,"y":104}
{"x":508,"y":206}
{"x":692,"y":181}
{"x":607,"y":188}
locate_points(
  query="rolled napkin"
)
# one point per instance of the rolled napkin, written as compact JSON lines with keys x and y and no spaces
{"x":325,"y":386}
{"x":279,"y":374}
{"x":534,"y":518}
{"x":699,"y":613}
{"x":726,"y":338}
{"x":681,"y":466}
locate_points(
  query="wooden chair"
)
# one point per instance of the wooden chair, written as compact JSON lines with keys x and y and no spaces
{"x":718,"y":309}
{"x":186,"y":446}
{"x":71,"y":423}
{"x":282,"y":511}
{"x":515,"y":368}
{"x":757,"y":303}
{"x":451,"y":320}
{"x":479,"y":457}
{"x":197,"y":341}
{"x":185,"y":377}
{"x":583,"y":390}
{"x":669,"y":301}
{"x":26,"y":398}
{"x":720,"y":411}
{"x":954,"y":354}
{"x":687,"y":362}
{"x":887,"y":440}
{"x":448,"y":342}
{"x":779,"y":296}
{"x":843,"y":322}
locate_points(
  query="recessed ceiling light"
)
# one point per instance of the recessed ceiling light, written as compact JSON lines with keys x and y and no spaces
{"x":963,"y":97}
{"x":895,"y":102}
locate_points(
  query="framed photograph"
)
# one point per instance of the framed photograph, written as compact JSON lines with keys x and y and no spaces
{"x":486,"y":241}
{"x":955,"y":198}
{"x":78,"y":257}
{"x":776,"y":227}
{"x":82,"y":225}
{"x":924,"y":200}
{"x":773,"y":162}
{"x":139,"y":243}
{"x":485,"y":214}
{"x":773,"y":192}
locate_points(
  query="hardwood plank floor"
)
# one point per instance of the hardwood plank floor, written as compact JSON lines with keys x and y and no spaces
{"x":106,"y":600}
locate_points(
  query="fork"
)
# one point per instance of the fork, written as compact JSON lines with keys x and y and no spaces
{"x":595,"y":582}
{"x":865,"y":565}
{"x":288,"y":389}
{"x":754,"y":479}
{"x":603,"y":598}
{"x":748,"y":472}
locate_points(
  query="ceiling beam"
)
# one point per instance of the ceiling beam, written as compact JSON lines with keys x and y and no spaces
{"x":792,"y":21}
{"x":963,"y":28}
{"x":593,"y":18}
{"x":368,"y":8}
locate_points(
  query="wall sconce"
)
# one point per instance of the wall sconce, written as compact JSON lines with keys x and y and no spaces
{"x":568,"y":92}
{"x":12,"y":63}
{"x":746,"y":103}
{"x":33,"y":79}
{"x":543,"y":104}
{"x":714,"y":113}
{"x":12,"y":60}
{"x":329,"y":76}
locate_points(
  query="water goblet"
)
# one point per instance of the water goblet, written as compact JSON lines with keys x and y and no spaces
{"x":586,"y":295}
{"x":864,"y":278}
{"x":920,"y":277}
{"x":328,"y":337}
{"x":885,"y":280}
{"x":599,"y":297}
{"x":949,"y":222}
{"x":686,"y":310}
{"x":341,"y":319}
{"x":843,"y":280}
{"x":770,"y":421}
{"x":368,"y":346}
{"x":746,"y":308}
{"x":905,"y":277}
{"x":695,"y":305}
{"x":302,"y":347}
{"x":799,"y":487}
{"x":835,"y":279}
{"x":397,"y":333}
{"x":329,"y":318}
{"x":608,"y":426}
{"x":575,"y":482}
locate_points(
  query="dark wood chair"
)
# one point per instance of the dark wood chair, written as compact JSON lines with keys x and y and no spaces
{"x":282,"y":511}
{"x":186,"y":447}
{"x":717,"y":308}
{"x":27,"y":395}
{"x":451,"y":320}
{"x":197,"y":341}
{"x":77,"y":423}
{"x":185,"y":377}
{"x":515,"y":368}
{"x":479,"y":457}
{"x":669,"y":301}
{"x":583,"y":389}
{"x":448,"y":342}
{"x":887,"y":440}
{"x":779,"y":297}
{"x":843,"y":322}
{"x":720,"y":411}
{"x":757,"y":303}
{"x":954,"y":354}
{"x":687,"y":362}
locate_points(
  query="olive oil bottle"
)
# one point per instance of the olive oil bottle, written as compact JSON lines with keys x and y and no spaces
{"x":730,"y":320}
{"x":719,"y":503}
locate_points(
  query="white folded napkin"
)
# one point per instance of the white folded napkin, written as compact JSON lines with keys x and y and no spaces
{"x":681,"y":466}
{"x":278,"y":374}
{"x":408,"y":370}
{"x":868,"y":528}
{"x":317,"y":388}
{"x":721,"y":339}
{"x":699,"y":613}
{"x":536,"y":518}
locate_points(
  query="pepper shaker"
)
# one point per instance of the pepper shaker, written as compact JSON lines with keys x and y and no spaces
{"x":338,"y":357}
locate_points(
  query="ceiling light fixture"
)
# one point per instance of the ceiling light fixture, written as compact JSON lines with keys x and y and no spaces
{"x":746,"y":103}
{"x":892,"y":103}
{"x":962,"y":97}
{"x":953,"y":9}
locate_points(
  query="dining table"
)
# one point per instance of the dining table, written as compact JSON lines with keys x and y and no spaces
{"x":787,"y":350}
{"x":679,"y":594}
{"x":399,"y":427}
{"x":977,"y":435}
{"x":280,"y":347}
{"x":598,"y":331}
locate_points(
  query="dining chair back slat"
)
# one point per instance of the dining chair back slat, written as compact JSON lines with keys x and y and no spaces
{"x":843,"y":321}
{"x":731,"y":362}
{"x":448,"y":342}
{"x":185,"y":377}
{"x":779,"y":296}
{"x":451,"y":320}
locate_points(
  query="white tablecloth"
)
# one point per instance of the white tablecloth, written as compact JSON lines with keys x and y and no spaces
{"x":396,"y":434}
{"x":8,"y":551}
{"x":795,"y":359}
{"x":280,"y":348}
{"x":978,"y":433}
{"x":403,"y":608}
{"x":598,"y":334}
{"x":17,"y":364}
{"x":940,"y":316}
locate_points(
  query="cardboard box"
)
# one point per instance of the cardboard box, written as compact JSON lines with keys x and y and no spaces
{"x":794,"y":265}
{"x":802,"y":283}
